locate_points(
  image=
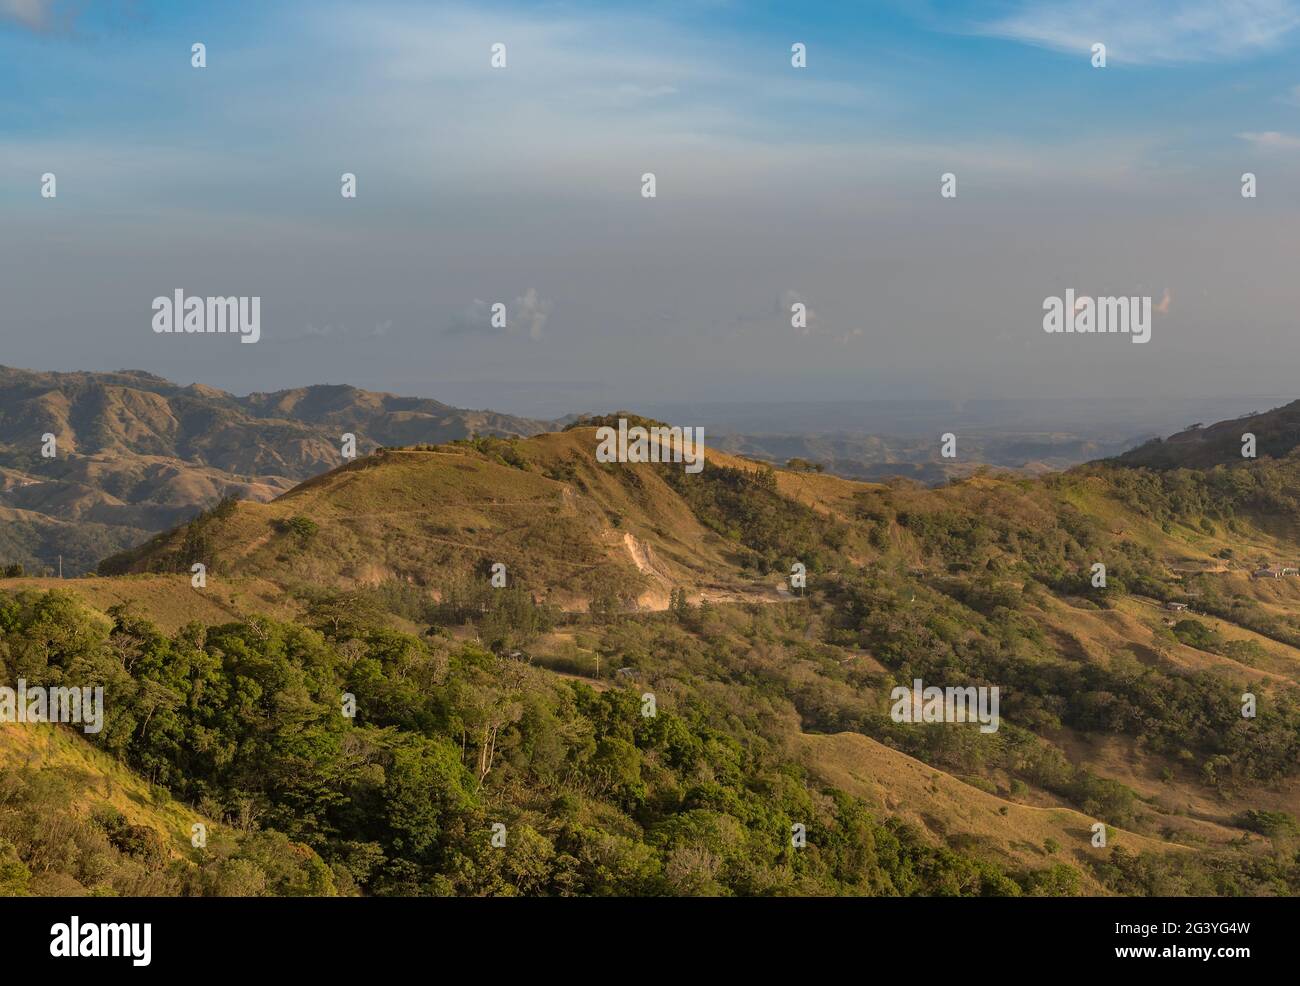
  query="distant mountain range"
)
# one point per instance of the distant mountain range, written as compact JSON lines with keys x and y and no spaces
{"x":878,"y":439}
{"x":135,"y":453}
{"x":879,"y":457}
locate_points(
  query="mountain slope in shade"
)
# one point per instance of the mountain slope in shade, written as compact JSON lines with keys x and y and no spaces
{"x":136,"y":453}
{"x":1277,"y":434}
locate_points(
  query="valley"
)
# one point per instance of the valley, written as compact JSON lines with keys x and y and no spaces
{"x":1121,"y":707}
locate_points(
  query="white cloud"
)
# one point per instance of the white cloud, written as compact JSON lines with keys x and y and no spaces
{"x":528,"y":313}
{"x":790,"y":297}
{"x":632,"y":91}
{"x":473,"y":318}
{"x":1271,"y":140}
{"x":531,"y":311}
{"x":1158,"y":32}
{"x":29,"y":13}
{"x":47,"y":16}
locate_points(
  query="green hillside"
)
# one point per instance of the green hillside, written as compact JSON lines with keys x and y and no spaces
{"x":524,"y":705}
{"x":136,"y":454}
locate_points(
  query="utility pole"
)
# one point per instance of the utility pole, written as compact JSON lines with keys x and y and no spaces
{"x":60,"y":566}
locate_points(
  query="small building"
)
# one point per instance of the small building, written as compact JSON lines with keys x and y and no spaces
{"x":1267,"y":572}
{"x":1288,"y":570}
{"x":1176,"y":607}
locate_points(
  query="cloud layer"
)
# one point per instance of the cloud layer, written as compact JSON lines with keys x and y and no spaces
{"x":1164,"y":32}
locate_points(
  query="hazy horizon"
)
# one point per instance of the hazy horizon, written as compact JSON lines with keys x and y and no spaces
{"x":1112,"y":418}
{"x":776,"y":185}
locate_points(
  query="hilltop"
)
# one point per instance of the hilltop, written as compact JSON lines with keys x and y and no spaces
{"x":519,"y":700}
{"x":1197,"y":447}
{"x":544,"y":508}
{"x":137,"y":454}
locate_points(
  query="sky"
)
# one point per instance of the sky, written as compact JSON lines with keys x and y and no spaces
{"x":775,"y":185}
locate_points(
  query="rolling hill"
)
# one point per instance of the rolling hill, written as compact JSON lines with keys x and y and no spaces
{"x":136,"y":454}
{"x":1121,"y":709}
{"x":1277,"y":435}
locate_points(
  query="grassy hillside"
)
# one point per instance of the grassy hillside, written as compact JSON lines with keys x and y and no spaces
{"x":137,"y":454}
{"x":170,"y":601}
{"x":560,"y":522}
{"x":76,"y":822}
{"x":522,"y":705}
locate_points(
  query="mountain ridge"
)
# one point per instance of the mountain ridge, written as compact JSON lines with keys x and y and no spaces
{"x":134,"y":452}
{"x":484,"y":590}
{"x":1276,"y":431}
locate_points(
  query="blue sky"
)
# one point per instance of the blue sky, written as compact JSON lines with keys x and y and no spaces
{"x":522,"y":186}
